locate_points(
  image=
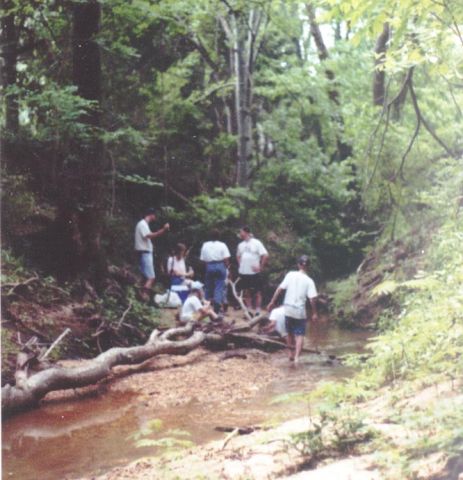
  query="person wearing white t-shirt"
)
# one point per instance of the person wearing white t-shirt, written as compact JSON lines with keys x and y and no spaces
{"x":194,"y":309}
{"x":252,"y":257}
{"x":216,"y":256}
{"x":277,"y":322}
{"x":298,"y":287}
{"x":144,"y":249}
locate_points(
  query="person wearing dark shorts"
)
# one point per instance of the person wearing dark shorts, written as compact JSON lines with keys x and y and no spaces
{"x":298,"y":287}
{"x":252,"y":257}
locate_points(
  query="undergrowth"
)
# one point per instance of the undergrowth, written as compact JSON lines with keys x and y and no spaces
{"x":421,"y":346}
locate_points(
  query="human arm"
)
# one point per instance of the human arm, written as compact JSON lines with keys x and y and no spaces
{"x":274,"y":298}
{"x":226,"y":254}
{"x":263,"y":256}
{"x":157,"y":233}
{"x":313,"y":305}
{"x":312,"y":295}
{"x":263,"y":262}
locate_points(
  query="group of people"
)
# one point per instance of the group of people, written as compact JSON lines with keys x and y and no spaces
{"x":289,"y":319}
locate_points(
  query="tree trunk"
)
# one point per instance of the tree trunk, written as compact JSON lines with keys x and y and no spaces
{"x":344,"y":150}
{"x":9,"y":38}
{"x":28,"y":391}
{"x":87,"y":183}
{"x":241,"y":102}
{"x":242,"y":30}
{"x":379,"y":75}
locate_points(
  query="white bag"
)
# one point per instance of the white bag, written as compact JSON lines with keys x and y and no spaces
{"x":168,"y":300}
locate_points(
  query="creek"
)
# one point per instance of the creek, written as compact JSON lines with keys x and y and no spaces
{"x":72,"y":439}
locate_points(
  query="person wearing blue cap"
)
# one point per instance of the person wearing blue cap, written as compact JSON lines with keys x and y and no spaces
{"x":298,"y":287}
{"x":194,"y":309}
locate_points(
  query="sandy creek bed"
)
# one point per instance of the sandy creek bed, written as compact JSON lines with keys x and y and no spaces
{"x":83,"y":433}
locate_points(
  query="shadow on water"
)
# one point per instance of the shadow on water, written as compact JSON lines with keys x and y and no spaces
{"x":92,"y":435}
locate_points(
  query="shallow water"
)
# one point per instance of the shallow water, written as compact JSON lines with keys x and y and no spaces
{"x":71,"y":439}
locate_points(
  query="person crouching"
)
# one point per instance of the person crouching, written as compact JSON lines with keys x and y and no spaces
{"x":194,"y":309}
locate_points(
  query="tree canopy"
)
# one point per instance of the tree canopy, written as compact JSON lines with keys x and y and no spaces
{"x":317,"y":122}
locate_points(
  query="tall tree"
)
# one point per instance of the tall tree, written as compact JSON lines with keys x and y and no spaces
{"x":9,"y":44}
{"x":87,"y":181}
{"x":379,"y":75}
{"x":344,"y":149}
{"x":242,"y":28}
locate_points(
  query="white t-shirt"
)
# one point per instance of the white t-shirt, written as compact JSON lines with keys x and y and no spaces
{"x":141,"y":230}
{"x":190,"y":307}
{"x":249,"y":252}
{"x":299,"y":287}
{"x":214,"y":251}
{"x":176,"y":265}
{"x":278,"y":316}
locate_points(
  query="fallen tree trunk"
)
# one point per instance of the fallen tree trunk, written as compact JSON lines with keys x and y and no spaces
{"x":29,"y":390}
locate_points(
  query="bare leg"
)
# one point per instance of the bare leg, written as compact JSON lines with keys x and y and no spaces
{"x":247,"y":298}
{"x":145,"y":290}
{"x":207,"y":312}
{"x":299,"y":339}
{"x":290,"y":343}
{"x":258,"y":301}
{"x":212,"y":314}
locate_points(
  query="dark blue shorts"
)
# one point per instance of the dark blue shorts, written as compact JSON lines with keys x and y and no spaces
{"x":295,"y":326}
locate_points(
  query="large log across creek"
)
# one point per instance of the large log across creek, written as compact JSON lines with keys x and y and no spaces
{"x":30,"y":388}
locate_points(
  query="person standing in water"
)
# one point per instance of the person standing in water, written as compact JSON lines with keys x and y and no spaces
{"x":298,"y":287}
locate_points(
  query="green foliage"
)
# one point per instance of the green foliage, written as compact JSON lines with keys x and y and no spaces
{"x":172,"y":440}
{"x":9,"y":347}
{"x":13,"y":269}
{"x":18,"y":202}
{"x":223,"y":208}
{"x":139,"y":180}
{"x":338,"y":431}
{"x":420,"y":346}
{"x":342,"y":292}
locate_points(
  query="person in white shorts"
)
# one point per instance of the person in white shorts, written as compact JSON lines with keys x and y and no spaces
{"x":194,"y":309}
{"x":277,"y":322}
